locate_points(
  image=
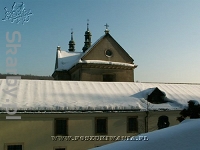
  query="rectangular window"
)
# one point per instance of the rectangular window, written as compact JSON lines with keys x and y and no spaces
{"x":60,"y":127}
{"x":13,"y":146}
{"x":101,"y":126}
{"x":60,"y":148}
{"x":132,"y":124}
{"x":108,"y":77}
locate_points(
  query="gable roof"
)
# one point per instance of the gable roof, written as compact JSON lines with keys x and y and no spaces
{"x":99,"y":40}
{"x":66,"y":60}
{"x":62,"y":96}
{"x":156,"y":96}
{"x":154,"y":90}
{"x":92,"y":46}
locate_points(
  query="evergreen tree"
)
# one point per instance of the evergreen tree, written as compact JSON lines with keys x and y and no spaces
{"x":193,"y":111}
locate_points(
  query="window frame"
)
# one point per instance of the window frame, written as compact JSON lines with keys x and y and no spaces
{"x":55,"y":127}
{"x":98,"y":133}
{"x":109,"y":53}
{"x":161,"y":120}
{"x":11,"y":144}
{"x":128,"y":127}
{"x":58,"y":147}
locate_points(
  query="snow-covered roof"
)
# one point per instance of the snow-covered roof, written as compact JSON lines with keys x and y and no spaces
{"x":106,"y":62}
{"x":183,"y":136}
{"x":67,"y":60}
{"x":87,"y":96}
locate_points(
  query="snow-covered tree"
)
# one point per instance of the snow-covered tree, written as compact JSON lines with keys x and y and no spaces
{"x":192,"y":111}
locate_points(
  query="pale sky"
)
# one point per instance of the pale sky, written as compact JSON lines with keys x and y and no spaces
{"x":162,"y":36}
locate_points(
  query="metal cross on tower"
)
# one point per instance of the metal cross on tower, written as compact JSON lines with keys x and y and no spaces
{"x":106,"y":31}
{"x":87,"y":24}
{"x":106,"y":26}
{"x":71,"y":34}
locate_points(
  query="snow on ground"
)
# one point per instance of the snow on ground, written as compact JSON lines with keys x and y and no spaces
{"x":184,"y":136}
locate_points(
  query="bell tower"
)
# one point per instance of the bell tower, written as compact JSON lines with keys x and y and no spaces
{"x":71,"y":43}
{"x":87,"y":38}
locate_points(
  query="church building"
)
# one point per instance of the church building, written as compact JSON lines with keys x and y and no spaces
{"x":105,"y":60}
{"x":74,"y":115}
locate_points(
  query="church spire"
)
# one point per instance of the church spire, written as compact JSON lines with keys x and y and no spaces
{"x":88,"y":25}
{"x":87,"y":38}
{"x":71,"y":43}
{"x":72,"y":35}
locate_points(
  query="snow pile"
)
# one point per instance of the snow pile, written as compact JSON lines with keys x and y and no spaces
{"x":184,"y":136}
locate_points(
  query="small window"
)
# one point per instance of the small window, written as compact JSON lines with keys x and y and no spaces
{"x":108,"y":77}
{"x":61,"y":127}
{"x":14,"y":147}
{"x":163,"y":122}
{"x":101,"y":126}
{"x":60,"y":148}
{"x":108,"y":53}
{"x":132,"y":124}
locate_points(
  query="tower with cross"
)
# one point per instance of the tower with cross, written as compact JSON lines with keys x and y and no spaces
{"x":87,"y":38}
{"x":105,"y":60}
{"x":71,"y":43}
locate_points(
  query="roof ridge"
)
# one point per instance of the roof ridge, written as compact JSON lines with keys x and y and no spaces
{"x":170,"y":83}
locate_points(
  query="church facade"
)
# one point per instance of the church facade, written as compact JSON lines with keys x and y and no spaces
{"x":105,"y":60}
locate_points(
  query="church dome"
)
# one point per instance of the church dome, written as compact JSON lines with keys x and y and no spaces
{"x":71,"y":42}
{"x":87,"y":32}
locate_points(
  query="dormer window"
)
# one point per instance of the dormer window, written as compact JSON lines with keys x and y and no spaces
{"x":156,"y":96}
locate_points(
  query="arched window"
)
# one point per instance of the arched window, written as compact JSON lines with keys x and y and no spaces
{"x":163,"y":122}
